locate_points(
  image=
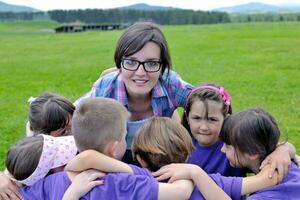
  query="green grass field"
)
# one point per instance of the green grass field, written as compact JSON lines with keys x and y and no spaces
{"x":258,"y":63}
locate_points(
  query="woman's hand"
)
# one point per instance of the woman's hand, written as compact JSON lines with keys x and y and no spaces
{"x":8,"y":189}
{"x":279,"y":160}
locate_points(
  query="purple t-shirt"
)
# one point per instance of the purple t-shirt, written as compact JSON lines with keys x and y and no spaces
{"x":116,"y":186}
{"x":289,"y":188}
{"x":212,"y":160}
{"x":231,"y":185}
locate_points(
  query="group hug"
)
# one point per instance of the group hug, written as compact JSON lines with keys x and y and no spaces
{"x":124,"y":138}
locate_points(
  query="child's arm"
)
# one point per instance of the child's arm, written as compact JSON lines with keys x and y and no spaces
{"x":180,"y":189}
{"x":259,"y":181}
{"x":82,"y":184}
{"x":91,"y":159}
{"x":280,"y":160}
{"x":208,"y":188}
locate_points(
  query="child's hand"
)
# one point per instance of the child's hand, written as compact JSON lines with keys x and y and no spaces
{"x":83,"y":183}
{"x":8,"y":189}
{"x":175,"y":172}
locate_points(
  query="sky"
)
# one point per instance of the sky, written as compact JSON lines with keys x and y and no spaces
{"x":186,"y":4}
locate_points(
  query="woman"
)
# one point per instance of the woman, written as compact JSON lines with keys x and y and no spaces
{"x":143,"y":83}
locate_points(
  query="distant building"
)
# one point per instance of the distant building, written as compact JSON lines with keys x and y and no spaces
{"x":72,"y":28}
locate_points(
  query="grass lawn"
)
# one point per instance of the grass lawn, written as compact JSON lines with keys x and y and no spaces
{"x":258,"y":63}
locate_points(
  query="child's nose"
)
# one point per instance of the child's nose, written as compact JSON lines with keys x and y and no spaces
{"x":203,"y":125}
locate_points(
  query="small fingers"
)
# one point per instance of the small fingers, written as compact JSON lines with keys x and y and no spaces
{"x":272,"y":170}
{"x":163,"y":177}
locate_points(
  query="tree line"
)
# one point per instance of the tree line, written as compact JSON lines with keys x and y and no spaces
{"x":127,"y":16}
{"x":265,"y":17}
{"x":120,"y":16}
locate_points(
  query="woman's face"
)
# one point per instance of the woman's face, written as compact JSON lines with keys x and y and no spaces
{"x":206,"y":129}
{"x":139,"y":83}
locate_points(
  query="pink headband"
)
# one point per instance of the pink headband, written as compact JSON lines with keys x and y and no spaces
{"x":57,"y":152}
{"x":225,"y":95}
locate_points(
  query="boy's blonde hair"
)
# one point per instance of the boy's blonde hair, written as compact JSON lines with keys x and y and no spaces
{"x":98,"y":121}
{"x":162,"y":141}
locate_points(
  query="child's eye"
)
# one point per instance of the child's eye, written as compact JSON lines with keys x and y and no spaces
{"x":212,"y":119}
{"x":196,"y":118}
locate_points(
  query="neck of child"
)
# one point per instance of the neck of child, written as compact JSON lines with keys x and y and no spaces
{"x":254,"y":166}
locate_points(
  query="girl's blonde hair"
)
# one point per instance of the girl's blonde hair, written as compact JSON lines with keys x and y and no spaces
{"x":162,"y":141}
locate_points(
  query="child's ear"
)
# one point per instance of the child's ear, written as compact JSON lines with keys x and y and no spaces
{"x":141,"y":161}
{"x":111,"y":149}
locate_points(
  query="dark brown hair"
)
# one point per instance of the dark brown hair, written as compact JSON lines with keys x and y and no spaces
{"x":252,"y":131}
{"x":23,"y":158}
{"x":49,"y":112}
{"x":162,"y":141}
{"x":136,"y":37}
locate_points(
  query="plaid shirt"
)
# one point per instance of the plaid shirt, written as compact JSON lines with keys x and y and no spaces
{"x":169,"y":92}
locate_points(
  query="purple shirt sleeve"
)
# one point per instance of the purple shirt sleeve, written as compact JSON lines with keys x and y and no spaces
{"x":231,"y":185}
{"x":140,"y":171}
{"x":125,"y":186}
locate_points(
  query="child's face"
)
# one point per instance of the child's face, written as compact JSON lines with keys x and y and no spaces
{"x":236,"y":158}
{"x":204,"y":129}
{"x":63,"y":131}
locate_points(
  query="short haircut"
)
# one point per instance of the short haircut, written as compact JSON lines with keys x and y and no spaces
{"x":49,"y":112}
{"x":23,"y":158}
{"x":97,"y":121}
{"x":136,"y":37}
{"x":252,"y":131}
{"x":162,"y":141}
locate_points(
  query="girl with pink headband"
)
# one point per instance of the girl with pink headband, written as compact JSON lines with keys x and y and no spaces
{"x":206,"y":108}
{"x":32,"y":158}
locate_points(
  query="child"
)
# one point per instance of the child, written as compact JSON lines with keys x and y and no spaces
{"x":32,"y":158}
{"x":100,"y":124}
{"x":50,"y":114}
{"x":162,"y":141}
{"x":207,"y":107}
{"x":249,"y":137}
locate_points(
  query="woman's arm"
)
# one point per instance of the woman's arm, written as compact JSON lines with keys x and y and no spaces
{"x":208,"y":188}
{"x":91,"y":159}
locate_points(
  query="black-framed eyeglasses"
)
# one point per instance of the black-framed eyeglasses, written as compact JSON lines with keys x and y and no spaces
{"x":149,"y":65}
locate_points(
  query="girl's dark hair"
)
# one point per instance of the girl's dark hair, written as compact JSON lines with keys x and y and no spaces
{"x":252,"y":131}
{"x":136,"y":37}
{"x":204,"y":95}
{"x":49,"y":112}
{"x":23,"y":158}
